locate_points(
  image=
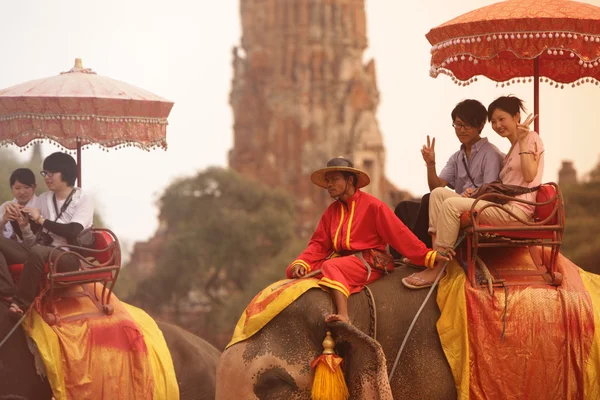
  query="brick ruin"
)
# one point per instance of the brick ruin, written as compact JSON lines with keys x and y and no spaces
{"x":301,"y":95}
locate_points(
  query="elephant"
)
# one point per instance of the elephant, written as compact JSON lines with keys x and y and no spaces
{"x":194,"y":359}
{"x":275,"y":362}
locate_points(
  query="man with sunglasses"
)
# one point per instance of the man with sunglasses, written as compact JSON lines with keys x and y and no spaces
{"x":475,"y":163}
{"x":62,"y":214}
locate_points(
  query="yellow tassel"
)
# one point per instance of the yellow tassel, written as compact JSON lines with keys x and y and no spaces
{"x":329,"y":382}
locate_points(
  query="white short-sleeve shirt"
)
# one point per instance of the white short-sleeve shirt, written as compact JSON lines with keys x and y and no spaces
{"x":79,"y":210}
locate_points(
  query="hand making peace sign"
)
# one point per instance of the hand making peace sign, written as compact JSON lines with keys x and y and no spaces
{"x":428,"y":151}
{"x":523,"y":129}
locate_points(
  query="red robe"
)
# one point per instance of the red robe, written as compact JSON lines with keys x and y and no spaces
{"x":364,"y":223}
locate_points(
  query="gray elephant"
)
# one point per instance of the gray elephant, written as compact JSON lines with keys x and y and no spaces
{"x":194,"y":359}
{"x":275,"y":362}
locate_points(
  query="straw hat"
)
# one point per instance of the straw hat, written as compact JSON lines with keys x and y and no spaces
{"x":340,"y":164}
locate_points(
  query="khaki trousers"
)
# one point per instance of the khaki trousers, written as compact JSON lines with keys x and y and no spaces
{"x":446,"y":207}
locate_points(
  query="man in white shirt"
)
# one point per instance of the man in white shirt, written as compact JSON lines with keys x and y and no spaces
{"x":63,"y":213}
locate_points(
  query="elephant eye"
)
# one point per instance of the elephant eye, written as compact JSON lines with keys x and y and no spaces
{"x":274,"y":383}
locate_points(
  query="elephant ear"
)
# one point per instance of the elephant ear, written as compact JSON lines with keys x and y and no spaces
{"x":364,"y":363}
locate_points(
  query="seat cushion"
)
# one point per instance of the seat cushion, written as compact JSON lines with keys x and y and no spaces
{"x":102,"y":240}
{"x":16,"y":269}
{"x":545,"y":193}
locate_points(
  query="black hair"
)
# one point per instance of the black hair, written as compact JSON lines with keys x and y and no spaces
{"x":471,"y":112}
{"x":23,"y":175}
{"x":348,"y":175}
{"x":510,"y":104}
{"x":63,"y":163}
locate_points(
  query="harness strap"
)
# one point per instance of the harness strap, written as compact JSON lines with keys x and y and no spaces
{"x":359,"y":255}
{"x":372,"y":311}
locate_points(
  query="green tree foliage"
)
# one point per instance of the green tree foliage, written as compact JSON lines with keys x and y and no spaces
{"x":582,"y":228}
{"x":222,"y":232}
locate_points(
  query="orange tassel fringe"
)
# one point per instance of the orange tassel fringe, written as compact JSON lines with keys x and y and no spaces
{"x":329,"y":382}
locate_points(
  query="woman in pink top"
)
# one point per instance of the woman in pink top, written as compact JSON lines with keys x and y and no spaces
{"x":523,"y":166}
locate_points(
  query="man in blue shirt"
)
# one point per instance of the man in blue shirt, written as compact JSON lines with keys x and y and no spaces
{"x":476,"y":162}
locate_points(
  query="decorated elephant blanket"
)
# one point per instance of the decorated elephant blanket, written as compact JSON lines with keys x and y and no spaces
{"x":522,"y":342}
{"x":89,"y":355}
{"x":267,"y":304}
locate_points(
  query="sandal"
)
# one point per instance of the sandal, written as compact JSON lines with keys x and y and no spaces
{"x":425,"y":284}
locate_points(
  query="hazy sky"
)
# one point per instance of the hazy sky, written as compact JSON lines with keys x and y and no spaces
{"x":181,"y":50}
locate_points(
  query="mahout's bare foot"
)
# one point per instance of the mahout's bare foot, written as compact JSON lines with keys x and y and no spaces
{"x":337,"y":317}
{"x":15,"y":309}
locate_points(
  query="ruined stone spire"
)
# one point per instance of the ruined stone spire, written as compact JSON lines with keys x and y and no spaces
{"x":302,"y":95}
{"x":567,"y":175}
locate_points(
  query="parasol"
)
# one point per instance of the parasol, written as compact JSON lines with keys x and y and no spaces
{"x":79,"y":108}
{"x":557,"y":41}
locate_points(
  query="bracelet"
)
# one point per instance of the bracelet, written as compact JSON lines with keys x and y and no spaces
{"x":525,"y":152}
{"x":430,"y":165}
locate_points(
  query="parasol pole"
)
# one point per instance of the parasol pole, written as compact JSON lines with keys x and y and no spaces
{"x":536,"y":93}
{"x":78,"y":164}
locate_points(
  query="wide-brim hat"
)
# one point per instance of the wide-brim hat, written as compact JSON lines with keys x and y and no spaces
{"x":340,"y":164}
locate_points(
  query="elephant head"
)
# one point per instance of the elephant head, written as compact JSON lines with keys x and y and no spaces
{"x":275,"y":362}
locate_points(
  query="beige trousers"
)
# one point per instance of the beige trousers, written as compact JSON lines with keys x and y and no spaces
{"x":446,"y":207}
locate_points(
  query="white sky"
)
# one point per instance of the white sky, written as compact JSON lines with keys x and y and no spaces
{"x":181,"y":50}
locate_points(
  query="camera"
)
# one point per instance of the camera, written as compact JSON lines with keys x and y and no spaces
{"x":44,"y":238}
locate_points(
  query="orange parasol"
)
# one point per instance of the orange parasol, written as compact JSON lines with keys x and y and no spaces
{"x":557,"y":41}
{"x":78,"y":108}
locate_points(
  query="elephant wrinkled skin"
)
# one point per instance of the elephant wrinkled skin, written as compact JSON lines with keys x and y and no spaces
{"x":275,"y":362}
{"x":195,"y":362}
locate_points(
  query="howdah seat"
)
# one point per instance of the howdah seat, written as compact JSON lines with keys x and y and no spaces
{"x":98,"y":265}
{"x":542,"y":236}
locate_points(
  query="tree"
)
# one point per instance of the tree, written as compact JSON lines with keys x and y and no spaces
{"x":221,"y":230}
{"x":581,"y":241}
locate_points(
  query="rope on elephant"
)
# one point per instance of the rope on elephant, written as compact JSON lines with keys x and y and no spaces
{"x":373,"y":312}
{"x":414,"y":321}
{"x":13,"y":330}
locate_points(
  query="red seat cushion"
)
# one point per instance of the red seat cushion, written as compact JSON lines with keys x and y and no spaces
{"x":102,"y":240}
{"x":16,"y":269}
{"x":545,"y":193}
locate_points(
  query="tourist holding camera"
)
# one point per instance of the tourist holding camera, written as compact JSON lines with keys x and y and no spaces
{"x":62,"y":214}
{"x":18,"y":232}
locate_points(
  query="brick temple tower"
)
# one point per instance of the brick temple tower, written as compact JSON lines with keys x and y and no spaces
{"x":301,"y":95}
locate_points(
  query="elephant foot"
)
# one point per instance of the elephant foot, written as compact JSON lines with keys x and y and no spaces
{"x":337,"y":317}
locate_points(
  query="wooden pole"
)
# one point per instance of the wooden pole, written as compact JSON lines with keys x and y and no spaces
{"x":78,"y":164}
{"x":536,"y":93}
